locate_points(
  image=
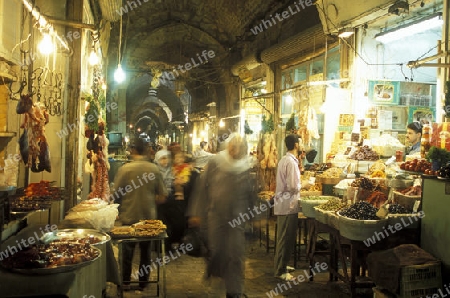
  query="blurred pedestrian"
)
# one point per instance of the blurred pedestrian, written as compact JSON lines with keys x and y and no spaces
{"x":144,"y":188}
{"x":224,"y":193}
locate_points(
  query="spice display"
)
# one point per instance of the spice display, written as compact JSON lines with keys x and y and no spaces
{"x":332,"y":205}
{"x":365,"y":153}
{"x":361,"y":211}
{"x":412,"y":191}
{"x":377,"y":198}
{"x":398,"y":209}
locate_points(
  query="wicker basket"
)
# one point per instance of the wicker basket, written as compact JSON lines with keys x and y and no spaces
{"x":333,"y":220}
{"x":360,"y":230}
{"x":321,"y":215}
{"x":308,"y":207}
{"x":407,"y":221}
{"x":405,"y":200}
{"x":420,"y":280}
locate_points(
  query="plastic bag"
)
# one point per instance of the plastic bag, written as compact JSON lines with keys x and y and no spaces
{"x":103,"y":219}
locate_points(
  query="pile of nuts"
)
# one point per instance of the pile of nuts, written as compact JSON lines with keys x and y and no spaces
{"x":332,"y":205}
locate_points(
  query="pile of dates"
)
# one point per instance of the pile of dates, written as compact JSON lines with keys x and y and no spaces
{"x":444,"y":172}
{"x":417,"y":165}
{"x":361,"y":210}
{"x":365,"y":153}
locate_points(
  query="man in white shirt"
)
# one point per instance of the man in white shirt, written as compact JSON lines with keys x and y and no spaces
{"x":286,"y":206}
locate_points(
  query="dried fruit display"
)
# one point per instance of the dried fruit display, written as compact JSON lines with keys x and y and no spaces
{"x":365,"y":153}
{"x":377,"y":198}
{"x":412,"y":191}
{"x":369,"y":184}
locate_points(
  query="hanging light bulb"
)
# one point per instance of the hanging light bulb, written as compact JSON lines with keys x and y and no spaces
{"x":46,"y":45}
{"x":119,"y":75}
{"x":93,"y":58}
{"x":289,"y":99}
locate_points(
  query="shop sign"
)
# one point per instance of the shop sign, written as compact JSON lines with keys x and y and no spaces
{"x":384,"y":92}
{"x":424,"y":115}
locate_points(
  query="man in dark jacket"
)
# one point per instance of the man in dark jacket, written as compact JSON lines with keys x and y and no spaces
{"x":139,"y":186}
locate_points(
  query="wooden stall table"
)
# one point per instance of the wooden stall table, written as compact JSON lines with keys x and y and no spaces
{"x":159,"y":242}
{"x":314,"y":228}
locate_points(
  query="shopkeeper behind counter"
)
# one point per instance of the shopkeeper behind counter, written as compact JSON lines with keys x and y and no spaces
{"x":413,"y":135}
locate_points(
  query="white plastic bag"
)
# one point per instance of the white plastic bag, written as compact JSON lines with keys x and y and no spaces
{"x":103,"y":219}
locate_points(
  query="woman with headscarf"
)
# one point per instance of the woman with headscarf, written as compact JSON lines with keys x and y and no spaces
{"x":225,"y":193}
{"x":167,"y":212}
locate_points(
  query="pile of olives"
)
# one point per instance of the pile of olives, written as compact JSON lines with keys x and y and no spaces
{"x":444,"y":171}
{"x":398,"y":209}
{"x":361,"y":210}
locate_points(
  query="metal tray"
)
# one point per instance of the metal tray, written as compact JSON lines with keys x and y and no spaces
{"x":55,"y":270}
{"x":81,"y":233}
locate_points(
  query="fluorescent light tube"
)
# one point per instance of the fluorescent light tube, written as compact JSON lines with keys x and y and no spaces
{"x":410,"y":29}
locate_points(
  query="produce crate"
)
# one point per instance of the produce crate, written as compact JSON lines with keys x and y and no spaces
{"x":405,"y":200}
{"x":420,"y":280}
{"x":360,"y":230}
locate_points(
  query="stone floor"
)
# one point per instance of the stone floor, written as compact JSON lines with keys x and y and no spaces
{"x":185,"y":279}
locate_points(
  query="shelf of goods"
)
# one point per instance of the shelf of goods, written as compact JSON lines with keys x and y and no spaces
{"x":37,"y":197}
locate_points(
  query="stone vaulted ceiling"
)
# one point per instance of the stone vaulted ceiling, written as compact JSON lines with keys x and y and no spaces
{"x":160,"y":34}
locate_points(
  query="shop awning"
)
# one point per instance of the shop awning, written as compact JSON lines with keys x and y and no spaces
{"x":297,"y":45}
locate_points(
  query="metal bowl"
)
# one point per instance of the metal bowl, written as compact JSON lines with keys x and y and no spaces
{"x":59,"y":269}
{"x":82,"y":233}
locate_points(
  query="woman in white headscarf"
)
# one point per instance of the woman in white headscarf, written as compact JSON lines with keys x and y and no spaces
{"x":224,"y":193}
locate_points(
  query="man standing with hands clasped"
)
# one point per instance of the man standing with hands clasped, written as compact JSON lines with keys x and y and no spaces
{"x":286,"y":207}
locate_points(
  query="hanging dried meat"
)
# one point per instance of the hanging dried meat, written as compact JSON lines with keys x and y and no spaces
{"x":33,"y":142}
{"x":267,"y":157}
{"x":98,"y":155}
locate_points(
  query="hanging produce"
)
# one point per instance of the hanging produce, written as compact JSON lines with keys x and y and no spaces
{"x":97,"y":164}
{"x":290,"y":124}
{"x":33,"y":144}
{"x":308,"y":125}
{"x":267,"y":161}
